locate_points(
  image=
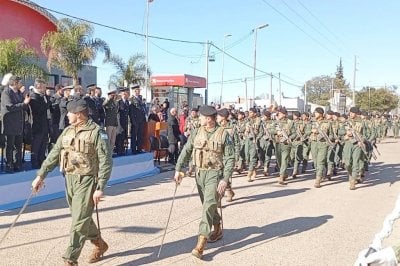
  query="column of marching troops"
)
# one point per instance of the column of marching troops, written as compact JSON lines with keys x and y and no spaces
{"x":333,"y":141}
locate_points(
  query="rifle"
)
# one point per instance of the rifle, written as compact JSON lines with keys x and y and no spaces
{"x":267,"y":135}
{"x":358,"y":138}
{"x":331,"y":144}
{"x":283,"y":133}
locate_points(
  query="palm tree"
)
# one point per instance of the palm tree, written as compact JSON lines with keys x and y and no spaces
{"x":18,"y":58}
{"x":132,"y":72}
{"x":72,"y":47}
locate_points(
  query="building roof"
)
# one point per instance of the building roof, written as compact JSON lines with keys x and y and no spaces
{"x":39,"y":9}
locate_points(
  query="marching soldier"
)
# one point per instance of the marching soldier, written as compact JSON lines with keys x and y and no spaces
{"x":191,"y":123}
{"x":396,"y":126}
{"x":284,"y":134}
{"x":319,"y":137}
{"x":84,"y":156}
{"x":267,"y":141}
{"x":240,"y":128}
{"x":212,"y":150}
{"x":252,"y":131}
{"x":305,"y":117}
{"x":297,"y":144}
{"x":332,"y":151}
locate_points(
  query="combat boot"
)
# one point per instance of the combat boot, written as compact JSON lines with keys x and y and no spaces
{"x":249,"y":175}
{"x":100,"y":248}
{"x":304,"y":167}
{"x":352,"y":184}
{"x":317,"y":183}
{"x":254,"y":174}
{"x":359,"y":179}
{"x":199,"y":249}
{"x":70,"y":263}
{"x":229,"y":197}
{"x":265,"y":172}
{"x":329,"y":175}
{"x":217,"y":234}
{"x":295,"y":172}
{"x":281,"y":180}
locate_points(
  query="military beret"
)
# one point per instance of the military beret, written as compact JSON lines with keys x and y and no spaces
{"x":195,"y":109}
{"x":355,"y":110}
{"x":241,"y":113}
{"x":330,"y":112}
{"x":254,"y":110}
{"x":282,"y":110}
{"x":208,"y":110}
{"x":319,"y":110}
{"x":135,"y":86}
{"x":337,"y":114}
{"x":267,"y":113}
{"x":296,"y":113}
{"x":112,"y":92}
{"x":76,"y":105}
{"x":306,"y":114}
{"x":345,"y":116}
{"x":364,"y":113}
{"x":223,"y":112}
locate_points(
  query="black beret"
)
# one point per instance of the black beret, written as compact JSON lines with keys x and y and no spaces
{"x":319,"y":110}
{"x":364,"y":113}
{"x":330,"y":112}
{"x":337,"y":114}
{"x":282,"y":110}
{"x":267,"y":113}
{"x":344,"y":116}
{"x":208,"y":110}
{"x":195,"y":109}
{"x":254,"y":110}
{"x":223,"y":112}
{"x":241,"y":113}
{"x":76,"y":105}
{"x":112,"y":92}
{"x":296,"y":113}
{"x":355,"y":110}
{"x":306,"y":114}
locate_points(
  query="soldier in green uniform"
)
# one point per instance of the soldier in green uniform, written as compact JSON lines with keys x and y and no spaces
{"x":353,"y":152}
{"x":338,"y":131}
{"x":284,"y":134}
{"x":267,"y":141}
{"x":240,"y":129}
{"x":305,"y":117}
{"x":212,"y":151}
{"x":296,"y":155}
{"x":385,"y":126}
{"x":191,"y":123}
{"x":222,"y":120}
{"x":320,"y":132}
{"x":252,"y":131}
{"x":395,"y":126}
{"x":332,"y":152}
{"x":84,"y":156}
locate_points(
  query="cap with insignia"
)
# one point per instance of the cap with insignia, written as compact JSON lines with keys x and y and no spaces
{"x":330,"y":112}
{"x":70,"y":87}
{"x":355,"y":110}
{"x":14,"y":78}
{"x":223,"y":112}
{"x":319,"y":110}
{"x":207,"y":110}
{"x":91,"y":85}
{"x":76,"y":105}
{"x":135,"y":86}
{"x":112,"y":92}
{"x":122,"y":89}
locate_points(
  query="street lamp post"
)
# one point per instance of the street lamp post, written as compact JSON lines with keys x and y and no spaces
{"x":222,"y":71}
{"x":255,"y":58}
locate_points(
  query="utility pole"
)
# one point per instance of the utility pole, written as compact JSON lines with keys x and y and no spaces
{"x":280,"y":91}
{"x":270,"y":91}
{"x":206,"y":91}
{"x":354,"y":80}
{"x":247,"y":99}
{"x":147,"y":54}
{"x":305,"y":97}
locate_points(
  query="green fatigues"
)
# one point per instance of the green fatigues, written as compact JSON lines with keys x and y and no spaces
{"x":332,"y":156}
{"x":353,"y":156}
{"x":240,"y":128}
{"x":395,"y":127}
{"x":267,"y":143}
{"x":236,"y":143}
{"x":80,"y":187}
{"x":319,"y":146}
{"x":283,"y":144}
{"x":207,"y":179}
{"x":191,"y":124}
{"x":306,"y":145}
{"x":297,"y":145}
{"x":385,"y":127}
{"x":250,"y":142}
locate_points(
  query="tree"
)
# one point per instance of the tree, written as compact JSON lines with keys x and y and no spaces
{"x":72,"y":47}
{"x":132,"y":72}
{"x":18,"y":58}
{"x":319,"y":90}
{"x":379,"y":100}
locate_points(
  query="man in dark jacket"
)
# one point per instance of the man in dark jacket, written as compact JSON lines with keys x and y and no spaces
{"x":137,"y":114}
{"x":173,"y":135}
{"x":66,"y":91}
{"x":123,"y":107}
{"x":13,"y":107}
{"x":40,"y":126}
{"x":55,"y":113}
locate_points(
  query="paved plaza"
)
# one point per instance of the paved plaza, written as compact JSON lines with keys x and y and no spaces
{"x":266,"y":224}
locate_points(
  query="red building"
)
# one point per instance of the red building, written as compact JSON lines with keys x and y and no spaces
{"x":24,"y":19}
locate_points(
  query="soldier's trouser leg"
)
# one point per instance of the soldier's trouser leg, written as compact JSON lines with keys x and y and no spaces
{"x":306,"y":155}
{"x":207,"y":182}
{"x":242,"y":157}
{"x":268,"y":155}
{"x":354,"y":167}
{"x":331,"y":160}
{"x":80,"y":200}
{"x":395,"y":132}
{"x":284,"y":156}
{"x":297,"y":150}
{"x":251,"y":154}
{"x":319,"y":151}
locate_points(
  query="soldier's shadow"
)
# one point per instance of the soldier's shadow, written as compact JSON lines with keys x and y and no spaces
{"x":237,"y":240}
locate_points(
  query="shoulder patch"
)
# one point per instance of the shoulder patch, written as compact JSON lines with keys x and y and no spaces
{"x":103,"y":135}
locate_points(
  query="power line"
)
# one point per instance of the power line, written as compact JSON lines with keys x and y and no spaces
{"x":297,"y":26}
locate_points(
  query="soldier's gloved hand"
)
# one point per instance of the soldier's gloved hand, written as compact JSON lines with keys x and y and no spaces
{"x":384,"y":256}
{"x":97,"y":195}
{"x":221,"y":187}
{"x":178,"y":177}
{"x":37,"y":184}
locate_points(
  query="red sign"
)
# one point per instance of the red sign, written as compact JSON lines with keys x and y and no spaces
{"x":183,"y":80}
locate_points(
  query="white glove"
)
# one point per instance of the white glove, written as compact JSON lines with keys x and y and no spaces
{"x":383,"y":257}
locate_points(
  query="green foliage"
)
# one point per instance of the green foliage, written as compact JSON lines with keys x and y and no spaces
{"x":379,"y":100}
{"x":72,"y":47}
{"x":18,"y":58}
{"x":132,"y":72}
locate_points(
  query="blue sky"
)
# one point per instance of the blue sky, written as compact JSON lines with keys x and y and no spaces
{"x":304,"y":39}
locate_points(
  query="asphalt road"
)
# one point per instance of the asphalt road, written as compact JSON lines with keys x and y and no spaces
{"x":266,"y":224}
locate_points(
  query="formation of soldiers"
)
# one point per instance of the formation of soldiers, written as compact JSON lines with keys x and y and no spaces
{"x":333,"y":141}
